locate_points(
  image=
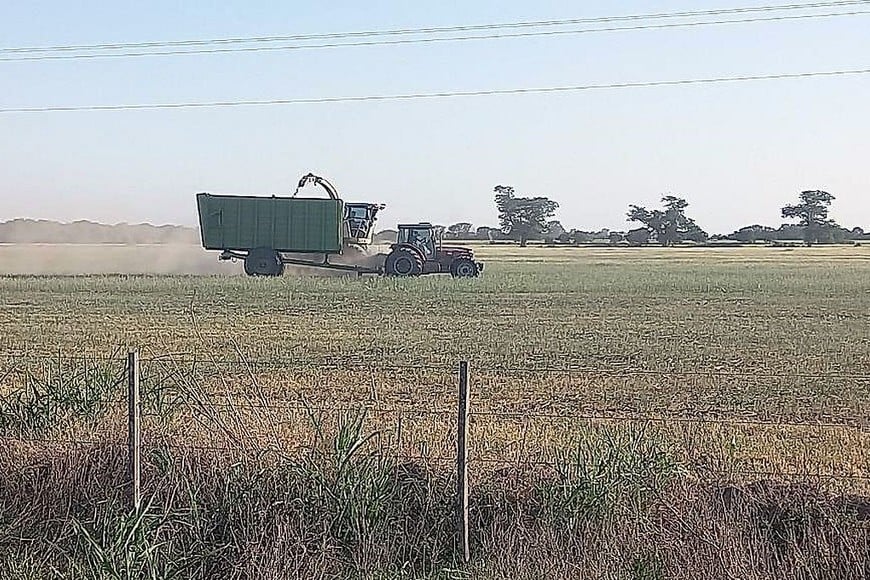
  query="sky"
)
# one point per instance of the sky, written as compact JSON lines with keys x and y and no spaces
{"x":737,"y":152}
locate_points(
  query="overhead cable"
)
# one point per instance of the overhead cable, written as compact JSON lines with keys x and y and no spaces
{"x":435,"y":95}
{"x":405,"y":41}
{"x":436,"y":30}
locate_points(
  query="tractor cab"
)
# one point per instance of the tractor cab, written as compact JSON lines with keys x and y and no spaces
{"x":359,"y":221}
{"x":422,"y":236}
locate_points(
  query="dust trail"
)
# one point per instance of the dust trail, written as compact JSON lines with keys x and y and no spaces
{"x":73,"y":259}
{"x":165,"y":259}
{"x":373,"y":257}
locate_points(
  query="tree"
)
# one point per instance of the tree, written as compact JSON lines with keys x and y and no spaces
{"x":669,"y":225}
{"x":523,"y":217}
{"x":554,"y":231}
{"x":637,"y":237}
{"x":483,"y":233}
{"x":754,"y":233}
{"x":812,"y":215}
{"x":580,"y":237}
{"x":459,"y":229}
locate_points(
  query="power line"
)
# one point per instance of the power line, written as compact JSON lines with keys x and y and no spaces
{"x":439,"y":30}
{"x":437,"y":95}
{"x":372,"y":43}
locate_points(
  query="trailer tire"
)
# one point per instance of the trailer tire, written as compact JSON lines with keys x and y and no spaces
{"x":403,"y":262}
{"x":263,"y":262}
{"x":464,"y":268}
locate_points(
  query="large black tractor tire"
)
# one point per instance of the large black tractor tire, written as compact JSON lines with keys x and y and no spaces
{"x":403,"y":262}
{"x":263,"y":262}
{"x":464,"y":268}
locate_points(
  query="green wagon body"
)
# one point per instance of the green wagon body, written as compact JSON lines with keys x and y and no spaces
{"x":285,"y":224}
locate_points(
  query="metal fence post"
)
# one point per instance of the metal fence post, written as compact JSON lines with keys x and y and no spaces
{"x":462,"y":462}
{"x":134,"y":441}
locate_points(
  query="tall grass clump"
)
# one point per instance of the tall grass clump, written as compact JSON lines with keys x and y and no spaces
{"x":57,"y":393}
{"x":607,"y":471}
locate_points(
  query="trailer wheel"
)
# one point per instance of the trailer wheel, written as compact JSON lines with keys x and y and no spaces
{"x":403,"y":262}
{"x":263,"y":262}
{"x":464,"y":268}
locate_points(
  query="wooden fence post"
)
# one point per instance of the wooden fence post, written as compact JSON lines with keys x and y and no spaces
{"x":134,"y":468}
{"x":462,"y":462}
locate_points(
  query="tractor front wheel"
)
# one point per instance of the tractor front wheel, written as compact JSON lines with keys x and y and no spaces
{"x":403,"y":262}
{"x":464,"y":268}
{"x":263,"y":262}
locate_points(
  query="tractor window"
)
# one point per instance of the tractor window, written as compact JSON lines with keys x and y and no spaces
{"x":422,"y":238}
{"x":357,"y":212}
{"x":358,"y":220}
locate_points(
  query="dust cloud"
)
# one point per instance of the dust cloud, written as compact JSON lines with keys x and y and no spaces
{"x":81,"y":259}
{"x":372,"y":257}
{"x":155,"y":259}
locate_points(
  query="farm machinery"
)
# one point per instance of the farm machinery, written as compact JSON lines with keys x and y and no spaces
{"x":269,"y":233}
{"x":418,"y":250}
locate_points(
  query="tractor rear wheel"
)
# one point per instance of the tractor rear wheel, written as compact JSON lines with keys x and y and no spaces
{"x":263,"y":262}
{"x":403,"y":262}
{"x":464,"y":268}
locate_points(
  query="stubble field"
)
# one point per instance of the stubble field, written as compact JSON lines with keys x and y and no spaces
{"x":698,"y":365}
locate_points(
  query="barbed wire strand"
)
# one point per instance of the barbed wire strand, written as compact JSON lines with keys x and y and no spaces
{"x":424,"y":457}
{"x":375,"y":366}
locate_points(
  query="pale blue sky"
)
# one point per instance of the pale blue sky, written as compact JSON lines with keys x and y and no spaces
{"x":737,"y":152}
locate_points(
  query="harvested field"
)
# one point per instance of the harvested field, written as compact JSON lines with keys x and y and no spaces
{"x":612,"y":389}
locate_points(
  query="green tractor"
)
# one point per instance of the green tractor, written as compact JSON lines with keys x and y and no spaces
{"x":419,"y":250}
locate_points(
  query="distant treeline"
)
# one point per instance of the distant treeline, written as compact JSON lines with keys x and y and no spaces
{"x":26,"y":231}
{"x":830,"y":235}
{"x":556,"y":235}
{"x":523,"y":219}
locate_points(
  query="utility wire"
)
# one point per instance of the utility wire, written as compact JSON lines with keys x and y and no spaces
{"x":394,"y":42}
{"x":439,"y":30}
{"x":437,"y":95}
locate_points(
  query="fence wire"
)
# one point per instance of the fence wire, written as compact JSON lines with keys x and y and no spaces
{"x":378,"y":365}
{"x":419,"y":457}
{"x":176,"y":398}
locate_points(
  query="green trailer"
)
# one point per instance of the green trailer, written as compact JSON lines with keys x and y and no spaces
{"x":285,"y":224}
{"x":271,"y":232}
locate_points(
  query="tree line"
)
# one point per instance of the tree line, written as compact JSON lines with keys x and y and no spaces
{"x":27,"y":231}
{"x":522,"y":219}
